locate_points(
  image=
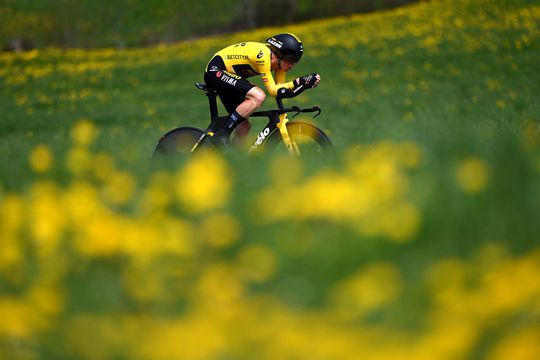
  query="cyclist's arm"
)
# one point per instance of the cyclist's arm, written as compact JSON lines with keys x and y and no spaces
{"x":274,"y":85}
{"x":288,"y":92}
{"x":280,"y":78}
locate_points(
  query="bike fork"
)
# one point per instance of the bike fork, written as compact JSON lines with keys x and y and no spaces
{"x":292,"y":148}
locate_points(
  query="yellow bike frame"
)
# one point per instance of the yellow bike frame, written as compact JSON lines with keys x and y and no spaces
{"x":282,"y":126}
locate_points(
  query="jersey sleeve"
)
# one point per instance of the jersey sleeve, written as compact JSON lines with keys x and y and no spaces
{"x":250,"y":59}
{"x":273,"y":85}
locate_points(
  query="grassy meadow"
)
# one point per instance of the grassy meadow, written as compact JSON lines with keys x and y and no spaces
{"x":420,"y":241}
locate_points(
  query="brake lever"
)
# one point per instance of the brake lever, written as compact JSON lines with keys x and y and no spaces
{"x":313,"y":109}
{"x":297,"y":109}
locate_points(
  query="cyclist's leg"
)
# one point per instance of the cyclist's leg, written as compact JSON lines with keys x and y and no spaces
{"x":240,"y":97}
{"x":241,"y":133}
{"x":254,"y":99}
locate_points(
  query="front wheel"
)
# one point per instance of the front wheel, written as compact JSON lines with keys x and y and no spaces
{"x":176,"y":142}
{"x":308,"y":138}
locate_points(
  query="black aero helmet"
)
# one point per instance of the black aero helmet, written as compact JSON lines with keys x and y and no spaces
{"x":286,"y":46}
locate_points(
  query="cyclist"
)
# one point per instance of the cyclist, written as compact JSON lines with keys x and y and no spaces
{"x":228,"y":69}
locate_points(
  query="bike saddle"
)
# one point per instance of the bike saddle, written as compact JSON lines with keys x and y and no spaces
{"x":205,"y":88}
{"x":201,"y":86}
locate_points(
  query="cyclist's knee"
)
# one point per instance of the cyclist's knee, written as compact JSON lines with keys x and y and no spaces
{"x":257,"y":95}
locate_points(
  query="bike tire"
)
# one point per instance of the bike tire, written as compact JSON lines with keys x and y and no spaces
{"x":176,"y":142}
{"x":309,"y":138}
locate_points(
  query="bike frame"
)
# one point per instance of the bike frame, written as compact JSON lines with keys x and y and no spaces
{"x":276,"y":119}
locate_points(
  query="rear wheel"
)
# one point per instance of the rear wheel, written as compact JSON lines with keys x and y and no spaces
{"x":177,"y":141}
{"x":309,"y":139}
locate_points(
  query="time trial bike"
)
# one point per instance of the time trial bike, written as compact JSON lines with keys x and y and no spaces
{"x":279,"y":134}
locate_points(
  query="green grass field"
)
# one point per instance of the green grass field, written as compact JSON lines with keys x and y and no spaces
{"x":419,"y":242}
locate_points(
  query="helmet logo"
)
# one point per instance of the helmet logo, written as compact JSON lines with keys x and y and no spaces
{"x":276,"y":43}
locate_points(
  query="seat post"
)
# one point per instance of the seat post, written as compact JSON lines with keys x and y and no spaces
{"x":212,"y":95}
{"x":212,"y":102}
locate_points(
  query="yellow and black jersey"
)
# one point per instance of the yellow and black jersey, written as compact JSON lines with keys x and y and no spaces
{"x":249,"y":59}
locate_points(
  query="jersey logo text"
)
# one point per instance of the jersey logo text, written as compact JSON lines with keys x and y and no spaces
{"x":228,"y":79}
{"x":262,"y":135}
{"x":237,"y":57}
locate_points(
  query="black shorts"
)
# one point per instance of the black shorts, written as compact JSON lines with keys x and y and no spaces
{"x":231,"y":88}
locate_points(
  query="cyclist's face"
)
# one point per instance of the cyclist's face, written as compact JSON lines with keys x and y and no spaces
{"x":287,"y":65}
{"x":282,"y":64}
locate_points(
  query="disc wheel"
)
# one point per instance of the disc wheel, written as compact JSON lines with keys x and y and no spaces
{"x":308,"y":138}
{"x":176,"y":142}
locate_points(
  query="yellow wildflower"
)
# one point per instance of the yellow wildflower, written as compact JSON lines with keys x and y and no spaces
{"x":220,"y":230}
{"x":119,"y":187}
{"x":84,"y":132}
{"x":41,"y":159}
{"x":256,"y":263}
{"x":370,"y":288}
{"x":204,"y":183}
{"x":472,"y":175}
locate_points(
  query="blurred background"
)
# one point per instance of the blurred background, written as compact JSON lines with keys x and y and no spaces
{"x":124,"y":23}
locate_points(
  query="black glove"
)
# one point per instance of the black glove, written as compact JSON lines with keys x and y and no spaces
{"x":309,"y":81}
{"x":284,"y":93}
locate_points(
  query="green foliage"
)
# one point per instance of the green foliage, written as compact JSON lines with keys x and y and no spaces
{"x":121,"y":23}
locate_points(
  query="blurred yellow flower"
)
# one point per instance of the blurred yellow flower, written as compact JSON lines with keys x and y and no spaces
{"x":410,"y":154}
{"x":194,"y":337}
{"x":47,"y":218}
{"x":408,"y":117}
{"x":501,"y":104}
{"x":446,"y":280}
{"x":18,"y":319}
{"x":174,"y":237}
{"x":256,"y":263}
{"x":12,"y":210}
{"x":156,"y":195}
{"x":119,"y":187}
{"x":371,"y":288}
{"x":521,"y":345}
{"x":109,"y":332}
{"x":284,"y":170}
{"x":82,"y":202}
{"x":11,"y":257}
{"x":220,"y":230}
{"x":218,"y":289}
{"x":399,"y":221}
{"x":84,"y":132}
{"x":47,"y":300}
{"x":204,"y":183}
{"x":369,"y":195}
{"x":79,"y":160}
{"x":530,"y":134}
{"x":472,"y":175}
{"x":41,"y":159}
{"x":100,"y":235}
{"x":103,"y":166}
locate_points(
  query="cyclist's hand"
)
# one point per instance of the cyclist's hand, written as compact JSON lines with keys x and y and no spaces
{"x":309,"y":81}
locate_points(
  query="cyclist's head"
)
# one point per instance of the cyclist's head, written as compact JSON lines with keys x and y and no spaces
{"x":286,"y":47}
